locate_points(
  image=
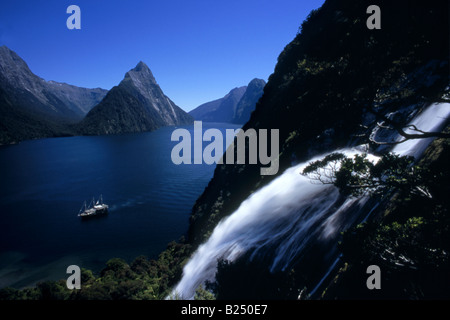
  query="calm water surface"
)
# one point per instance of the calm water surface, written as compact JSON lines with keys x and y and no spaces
{"x":45,"y":182}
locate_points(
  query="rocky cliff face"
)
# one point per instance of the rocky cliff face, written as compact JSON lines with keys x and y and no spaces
{"x":326,"y":82}
{"x":137,"y":104}
{"x":247,"y":104}
{"x":331,"y":87}
{"x":34,"y":108}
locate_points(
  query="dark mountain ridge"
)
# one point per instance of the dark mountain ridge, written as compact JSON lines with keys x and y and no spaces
{"x":326,"y":85}
{"x":31,"y":107}
{"x":326,"y":79}
{"x":68,"y":100}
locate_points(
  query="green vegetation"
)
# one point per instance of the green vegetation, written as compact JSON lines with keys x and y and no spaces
{"x":359,"y":175}
{"x":410,"y":242}
{"x":203,"y":294}
{"x":143,"y":279}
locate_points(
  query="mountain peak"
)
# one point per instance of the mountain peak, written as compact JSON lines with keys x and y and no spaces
{"x":4,"y":48}
{"x":10,"y":61}
{"x":137,"y":104}
{"x":141,"y":66}
{"x":141,"y":76}
{"x":238,"y":92}
{"x":18,"y":74}
{"x":257,"y":82}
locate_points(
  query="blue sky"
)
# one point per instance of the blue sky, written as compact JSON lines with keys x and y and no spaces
{"x":198,"y":50}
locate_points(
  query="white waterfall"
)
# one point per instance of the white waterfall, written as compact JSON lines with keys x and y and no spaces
{"x":289,"y":213}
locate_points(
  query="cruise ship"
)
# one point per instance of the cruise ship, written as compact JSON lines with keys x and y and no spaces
{"x":95,"y":208}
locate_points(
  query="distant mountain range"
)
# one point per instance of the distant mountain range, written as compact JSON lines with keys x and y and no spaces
{"x":31,"y":107}
{"x":220,"y":110}
{"x":235,"y":107}
{"x":137,"y":104}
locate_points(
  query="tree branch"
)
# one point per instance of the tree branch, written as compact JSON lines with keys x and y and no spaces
{"x":392,"y":125}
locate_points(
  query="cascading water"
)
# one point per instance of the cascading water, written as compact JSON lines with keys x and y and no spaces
{"x":289,"y":215}
{"x":431,"y":119}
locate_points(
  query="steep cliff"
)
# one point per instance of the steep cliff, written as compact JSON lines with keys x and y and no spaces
{"x":333,"y":86}
{"x":326,"y":82}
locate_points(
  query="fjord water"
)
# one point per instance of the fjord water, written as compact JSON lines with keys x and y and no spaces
{"x":45,"y":182}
